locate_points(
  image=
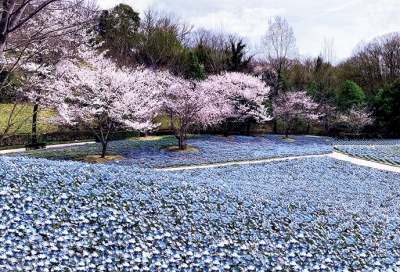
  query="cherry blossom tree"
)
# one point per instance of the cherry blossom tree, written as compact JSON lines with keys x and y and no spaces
{"x":240,"y":98}
{"x":188,"y":103}
{"x":15,"y":14}
{"x":292,"y":106}
{"x":357,"y":118}
{"x":38,"y":34}
{"x":103,"y":98}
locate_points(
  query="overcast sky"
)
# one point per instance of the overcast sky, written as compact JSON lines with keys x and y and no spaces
{"x":347,"y":22}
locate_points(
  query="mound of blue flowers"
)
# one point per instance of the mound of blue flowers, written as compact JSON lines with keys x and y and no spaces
{"x":147,"y":154}
{"x":305,"y":214}
{"x":366,"y":142}
{"x":218,"y":149}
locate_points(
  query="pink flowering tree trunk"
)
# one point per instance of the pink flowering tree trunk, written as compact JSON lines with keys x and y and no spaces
{"x":38,"y":34}
{"x":96,"y":93}
{"x":188,"y":104}
{"x":239,"y":98}
{"x":292,"y":106}
{"x":357,"y":119}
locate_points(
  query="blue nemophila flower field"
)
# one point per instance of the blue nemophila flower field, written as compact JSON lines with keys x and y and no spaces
{"x":385,"y":151}
{"x":314,"y":213}
{"x":210,"y":150}
{"x":366,"y":142}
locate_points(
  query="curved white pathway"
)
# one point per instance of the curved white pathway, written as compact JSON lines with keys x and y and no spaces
{"x":343,"y":157}
{"x":7,"y":151}
{"x":335,"y":155}
{"x":175,"y":168}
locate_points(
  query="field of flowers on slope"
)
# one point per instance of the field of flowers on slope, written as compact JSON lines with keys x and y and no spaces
{"x":210,"y":150}
{"x":343,"y":142}
{"x":314,"y":213}
{"x":384,"y":151}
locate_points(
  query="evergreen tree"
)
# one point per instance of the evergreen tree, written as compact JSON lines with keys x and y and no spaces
{"x":194,"y":69}
{"x":118,"y":28}
{"x":387,"y":107}
{"x":350,"y":95}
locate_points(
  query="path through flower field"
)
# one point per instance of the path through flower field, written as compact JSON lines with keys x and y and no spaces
{"x":313,"y":213}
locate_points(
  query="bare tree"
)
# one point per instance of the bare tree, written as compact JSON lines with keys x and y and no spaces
{"x":162,"y":38}
{"x":280,"y":49}
{"x":280,"y":44}
{"x":155,"y":19}
{"x":375,"y":63}
{"x":210,"y":47}
{"x":390,"y":46}
{"x":328,"y":52}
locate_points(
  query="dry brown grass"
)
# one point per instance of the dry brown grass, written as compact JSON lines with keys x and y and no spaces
{"x":288,"y":139}
{"x":229,"y":137}
{"x":148,"y":138}
{"x":175,"y":148}
{"x":98,"y":159}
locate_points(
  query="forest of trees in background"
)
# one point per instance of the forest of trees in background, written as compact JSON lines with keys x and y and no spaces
{"x":356,"y":96}
{"x":365,"y":81}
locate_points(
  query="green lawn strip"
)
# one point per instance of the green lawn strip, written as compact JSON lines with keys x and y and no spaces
{"x":23,"y":115}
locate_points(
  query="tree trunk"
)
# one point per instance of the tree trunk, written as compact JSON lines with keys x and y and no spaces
{"x":182,"y":142}
{"x":327,"y":127}
{"x":287,"y":132}
{"x":248,"y":126}
{"x":103,"y":152}
{"x":225,"y":128}
{"x":2,"y":42}
{"x":308,"y":128}
{"x":34,"y":123}
{"x":275,"y":121}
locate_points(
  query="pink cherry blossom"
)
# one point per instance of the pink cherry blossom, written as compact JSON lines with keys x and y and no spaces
{"x":96,"y":93}
{"x":240,"y":98}
{"x":292,"y":106}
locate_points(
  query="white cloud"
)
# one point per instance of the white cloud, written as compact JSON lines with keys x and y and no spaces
{"x":137,"y":5}
{"x":250,"y":23}
{"x":347,"y":22}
